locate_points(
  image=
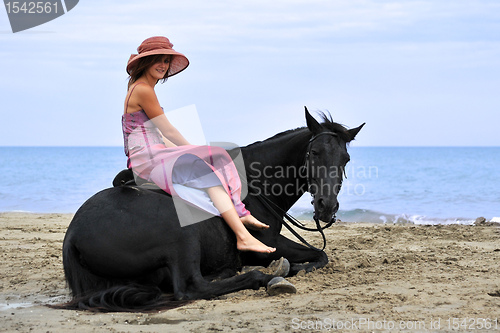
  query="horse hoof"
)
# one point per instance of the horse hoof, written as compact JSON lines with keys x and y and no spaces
{"x":279,"y":285}
{"x":280,"y":267}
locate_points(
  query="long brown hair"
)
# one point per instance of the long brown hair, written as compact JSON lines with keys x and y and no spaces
{"x":143,"y":65}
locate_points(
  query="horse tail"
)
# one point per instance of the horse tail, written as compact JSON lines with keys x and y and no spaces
{"x":98,"y":294}
{"x":123,"y":298}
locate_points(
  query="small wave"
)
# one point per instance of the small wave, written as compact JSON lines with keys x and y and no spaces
{"x":425,"y":220}
{"x":18,"y":211}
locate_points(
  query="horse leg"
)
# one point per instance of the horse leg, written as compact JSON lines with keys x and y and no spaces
{"x":188,"y":282}
{"x":299,"y":256}
{"x":226,"y":273}
{"x":201,"y":288}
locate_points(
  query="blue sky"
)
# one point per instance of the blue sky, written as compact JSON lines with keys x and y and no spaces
{"x":419,"y":73}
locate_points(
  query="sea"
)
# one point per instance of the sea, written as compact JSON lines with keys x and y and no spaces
{"x":418,"y":185}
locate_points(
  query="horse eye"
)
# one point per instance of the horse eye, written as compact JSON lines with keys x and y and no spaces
{"x":314,"y":152}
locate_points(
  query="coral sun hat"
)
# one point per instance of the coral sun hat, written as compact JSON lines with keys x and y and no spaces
{"x":159,"y":45}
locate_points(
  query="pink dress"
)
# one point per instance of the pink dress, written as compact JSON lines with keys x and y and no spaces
{"x":182,"y":171}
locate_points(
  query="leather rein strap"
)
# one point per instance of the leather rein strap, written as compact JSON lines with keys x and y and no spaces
{"x":266,"y":202}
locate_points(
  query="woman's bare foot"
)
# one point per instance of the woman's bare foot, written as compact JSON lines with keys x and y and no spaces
{"x":252,"y":223}
{"x":253,"y":244}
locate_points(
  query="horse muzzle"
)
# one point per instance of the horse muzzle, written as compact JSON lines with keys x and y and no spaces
{"x":325,"y":209}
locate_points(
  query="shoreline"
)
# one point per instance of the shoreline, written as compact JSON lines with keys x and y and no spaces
{"x":398,"y":219}
{"x":393,"y":272}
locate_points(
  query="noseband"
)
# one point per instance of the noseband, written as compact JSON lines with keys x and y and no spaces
{"x":307,"y":165}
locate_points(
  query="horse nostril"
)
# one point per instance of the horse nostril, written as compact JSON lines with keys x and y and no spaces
{"x":321,"y":204}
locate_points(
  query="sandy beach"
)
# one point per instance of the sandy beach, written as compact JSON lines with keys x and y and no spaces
{"x":381,"y":277}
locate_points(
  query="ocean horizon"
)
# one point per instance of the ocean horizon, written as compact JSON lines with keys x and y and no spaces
{"x":421,"y":185}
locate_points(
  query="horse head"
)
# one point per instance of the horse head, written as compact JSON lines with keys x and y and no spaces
{"x":325,"y":163}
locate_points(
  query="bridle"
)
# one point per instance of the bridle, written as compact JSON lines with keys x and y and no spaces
{"x":269,"y":204}
{"x":307,"y":166}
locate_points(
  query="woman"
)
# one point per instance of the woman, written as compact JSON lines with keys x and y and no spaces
{"x":158,"y":152}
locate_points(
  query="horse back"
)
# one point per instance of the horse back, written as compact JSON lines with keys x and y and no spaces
{"x":125,"y":231}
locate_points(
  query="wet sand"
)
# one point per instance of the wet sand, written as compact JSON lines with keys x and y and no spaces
{"x":380,"y":277}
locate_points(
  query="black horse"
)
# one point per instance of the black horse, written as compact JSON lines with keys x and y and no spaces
{"x":126,"y":251}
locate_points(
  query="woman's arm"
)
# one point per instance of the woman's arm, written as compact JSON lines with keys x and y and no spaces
{"x":168,"y":130}
{"x":148,"y":101}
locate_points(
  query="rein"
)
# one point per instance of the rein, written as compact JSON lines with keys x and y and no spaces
{"x":269,"y":205}
{"x":266,"y":202}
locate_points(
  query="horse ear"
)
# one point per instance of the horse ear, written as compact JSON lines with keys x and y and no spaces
{"x":354,"y":131}
{"x":312,"y":123}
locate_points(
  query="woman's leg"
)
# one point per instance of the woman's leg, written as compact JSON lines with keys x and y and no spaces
{"x":244,"y":240}
{"x":252,"y":223}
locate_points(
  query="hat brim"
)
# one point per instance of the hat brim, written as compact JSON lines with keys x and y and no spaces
{"x":178,"y":63}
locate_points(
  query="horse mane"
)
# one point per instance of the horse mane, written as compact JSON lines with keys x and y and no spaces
{"x":332,"y":126}
{"x":327,"y":123}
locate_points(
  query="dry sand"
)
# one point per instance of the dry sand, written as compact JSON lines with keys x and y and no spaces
{"x":380,"y":277}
